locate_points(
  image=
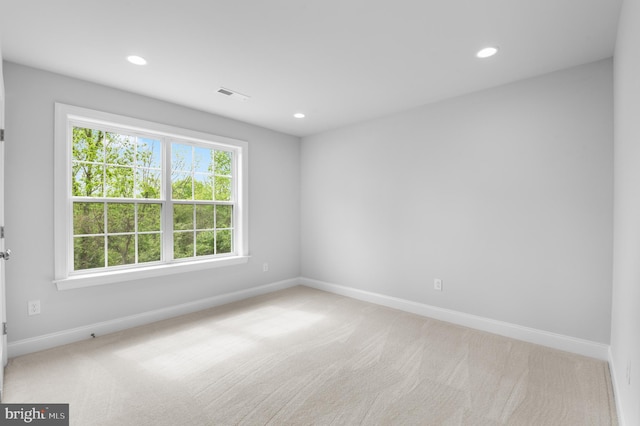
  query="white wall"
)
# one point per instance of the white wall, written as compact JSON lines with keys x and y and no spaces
{"x":273,"y":202}
{"x":505,"y":194}
{"x":625,"y":324}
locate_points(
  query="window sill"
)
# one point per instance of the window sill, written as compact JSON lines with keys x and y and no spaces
{"x":89,"y":280}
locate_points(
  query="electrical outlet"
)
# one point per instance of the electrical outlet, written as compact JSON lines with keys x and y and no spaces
{"x":265,"y":267}
{"x":34,"y":307}
{"x":437,"y":284}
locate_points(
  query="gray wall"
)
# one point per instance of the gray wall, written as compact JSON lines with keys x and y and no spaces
{"x":506,"y":195}
{"x":273,"y":202}
{"x":625,"y":326}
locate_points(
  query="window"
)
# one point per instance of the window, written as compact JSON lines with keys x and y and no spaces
{"x":136,"y":199}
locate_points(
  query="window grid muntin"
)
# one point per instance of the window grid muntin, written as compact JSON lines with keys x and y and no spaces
{"x":106,"y":231}
{"x":194,"y":229}
{"x":134,"y":165}
{"x":192,"y":172}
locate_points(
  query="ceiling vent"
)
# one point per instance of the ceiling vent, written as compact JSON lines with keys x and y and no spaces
{"x":232,"y":94}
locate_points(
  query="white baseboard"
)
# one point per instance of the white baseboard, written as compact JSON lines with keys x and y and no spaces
{"x":616,"y":389}
{"x":540,"y":337}
{"x":531,"y":335}
{"x":47,"y":341}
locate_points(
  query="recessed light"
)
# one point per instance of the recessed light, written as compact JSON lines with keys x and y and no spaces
{"x":299,"y":115}
{"x":137,"y":60}
{"x":487,"y":52}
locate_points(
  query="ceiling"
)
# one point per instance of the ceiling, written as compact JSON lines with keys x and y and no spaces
{"x":338,"y":61}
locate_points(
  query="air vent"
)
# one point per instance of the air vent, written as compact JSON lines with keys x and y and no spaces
{"x":232,"y":94}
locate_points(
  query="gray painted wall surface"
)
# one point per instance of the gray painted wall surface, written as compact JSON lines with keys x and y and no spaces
{"x":625,"y":327}
{"x":505,"y":194}
{"x":273,"y":202}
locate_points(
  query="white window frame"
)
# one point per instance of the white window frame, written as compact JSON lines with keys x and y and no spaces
{"x":65,"y":278}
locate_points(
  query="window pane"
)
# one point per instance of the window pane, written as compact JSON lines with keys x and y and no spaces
{"x":149,"y":217}
{"x":88,"y":218}
{"x":88,"y":253}
{"x":149,"y":248}
{"x":119,"y":182}
{"x":223,"y":188}
{"x":88,"y":145}
{"x":223,"y":216}
{"x":182,"y":216}
{"x":121,"y":249}
{"x":203,"y":159}
{"x":87,"y":180}
{"x":205,"y":243}
{"x":204,"y":216}
{"x":148,"y":184}
{"x":149,"y":154}
{"x":203,"y":187}
{"x":120,"y":217}
{"x":182,"y":244}
{"x":223,"y":242}
{"x":119,"y":149}
{"x":223,"y":163}
{"x":181,"y":186}
{"x":181,"y":157}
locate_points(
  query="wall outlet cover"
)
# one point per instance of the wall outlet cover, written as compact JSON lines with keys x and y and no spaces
{"x":437,"y":284}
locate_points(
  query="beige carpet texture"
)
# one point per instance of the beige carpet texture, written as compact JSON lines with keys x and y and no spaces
{"x":306,"y":357}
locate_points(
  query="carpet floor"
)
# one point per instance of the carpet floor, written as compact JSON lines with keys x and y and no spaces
{"x":305,"y":357}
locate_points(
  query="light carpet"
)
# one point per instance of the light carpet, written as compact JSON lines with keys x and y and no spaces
{"x":305,"y":357}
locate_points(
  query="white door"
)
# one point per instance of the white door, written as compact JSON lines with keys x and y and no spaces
{"x":3,"y":254}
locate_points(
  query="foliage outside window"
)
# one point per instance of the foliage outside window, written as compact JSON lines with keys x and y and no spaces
{"x":141,"y":198}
